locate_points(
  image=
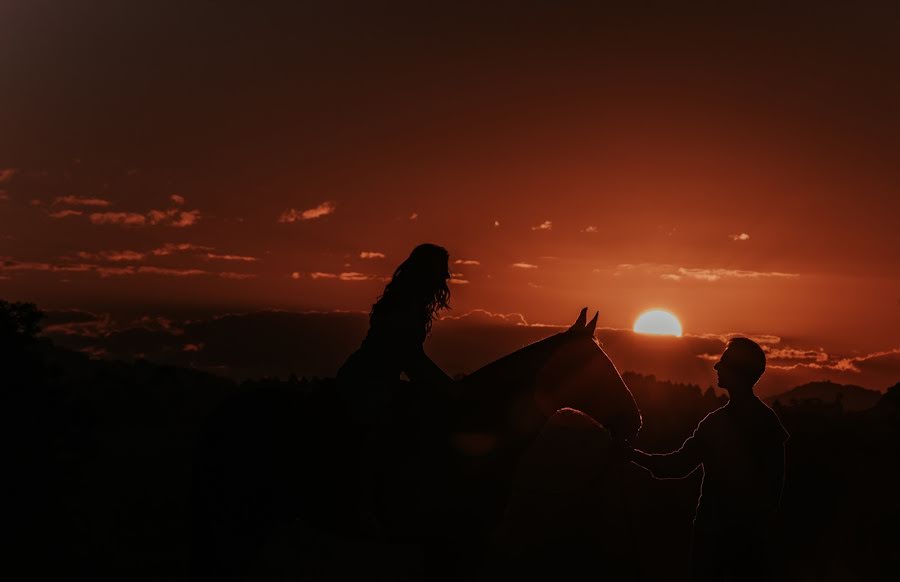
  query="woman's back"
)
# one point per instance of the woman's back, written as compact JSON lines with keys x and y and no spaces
{"x":394,"y":338}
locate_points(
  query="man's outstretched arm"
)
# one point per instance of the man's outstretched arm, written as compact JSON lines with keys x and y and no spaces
{"x":674,"y":465}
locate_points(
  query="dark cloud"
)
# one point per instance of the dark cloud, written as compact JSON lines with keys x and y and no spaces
{"x":277,"y":343}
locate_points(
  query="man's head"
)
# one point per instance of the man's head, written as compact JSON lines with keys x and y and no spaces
{"x":741,"y":365}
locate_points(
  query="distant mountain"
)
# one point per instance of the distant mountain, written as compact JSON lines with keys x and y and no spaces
{"x":852,"y":397}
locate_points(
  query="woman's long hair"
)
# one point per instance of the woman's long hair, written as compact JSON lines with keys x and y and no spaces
{"x":419,"y":284}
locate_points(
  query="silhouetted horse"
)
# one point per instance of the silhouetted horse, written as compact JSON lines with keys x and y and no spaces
{"x":461,"y":461}
{"x":505,"y":405}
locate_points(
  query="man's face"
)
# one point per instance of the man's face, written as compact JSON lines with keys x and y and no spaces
{"x":725,"y":370}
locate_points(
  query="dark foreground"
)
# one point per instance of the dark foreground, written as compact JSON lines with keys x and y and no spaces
{"x":101,"y":461}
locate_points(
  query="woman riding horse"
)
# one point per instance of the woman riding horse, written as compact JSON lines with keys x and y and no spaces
{"x":399,"y":322}
{"x":404,"y":457}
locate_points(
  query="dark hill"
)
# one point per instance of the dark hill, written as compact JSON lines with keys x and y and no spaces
{"x":852,"y":397}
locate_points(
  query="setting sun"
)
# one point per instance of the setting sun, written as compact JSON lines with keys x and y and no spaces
{"x":658,"y":322}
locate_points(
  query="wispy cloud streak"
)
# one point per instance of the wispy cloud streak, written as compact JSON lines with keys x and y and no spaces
{"x":293,"y":215}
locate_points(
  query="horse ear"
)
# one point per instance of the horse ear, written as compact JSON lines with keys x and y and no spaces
{"x":592,"y":324}
{"x":579,"y":323}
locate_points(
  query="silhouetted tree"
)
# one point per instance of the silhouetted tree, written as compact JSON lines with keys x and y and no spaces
{"x":19,"y":320}
{"x":19,"y":326}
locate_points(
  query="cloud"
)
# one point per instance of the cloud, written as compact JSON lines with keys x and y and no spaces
{"x":762,"y":339}
{"x":237,"y":276}
{"x":371,"y":255}
{"x":496,"y":223}
{"x":7,"y":264}
{"x":717,"y":274}
{"x":591,"y":229}
{"x":65,"y":213}
{"x":169,"y":248}
{"x":94,"y":353}
{"x":75,"y":322}
{"x":113,"y":256}
{"x":6,"y":174}
{"x":346,"y":276}
{"x":295,"y":275}
{"x":675,"y":273}
{"x":105,"y":272}
{"x":173,"y":217}
{"x":546,"y":225}
{"x":157,"y":216}
{"x":524,"y":266}
{"x":171,"y":272}
{"x":483,"y":316}
{"x":742,"y":236}
{"x":466,"y":262}
{"x":854,"y":364}
{"x":414,"y":216}
{"x":179,"y":200}
{"x":352,"y":276}
{"x":773,"y":353}
{"x":149,"y":270}
{"x":79,"y":201}
{"x":457,"y":279}
{"x":293,"y":215}
{"x":242,"y":258}
{"x":157,"y":323}
{"x":122,"y":218}
{"x":188,"y":218}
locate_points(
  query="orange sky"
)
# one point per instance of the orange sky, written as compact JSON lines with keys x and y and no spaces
{"x":737,"y":168}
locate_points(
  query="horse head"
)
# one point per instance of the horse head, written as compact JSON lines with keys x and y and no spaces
{"x":578,"y":374}
{"x":566,"y":370}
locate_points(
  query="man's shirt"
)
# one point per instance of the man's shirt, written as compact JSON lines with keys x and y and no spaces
{"x":741,"y":448}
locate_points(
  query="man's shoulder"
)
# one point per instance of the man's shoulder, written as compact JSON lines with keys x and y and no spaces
{"x":712,"y":420}
{"x":772,"y":421}
{"x":716,"y":415}
{"x":761,"y":420}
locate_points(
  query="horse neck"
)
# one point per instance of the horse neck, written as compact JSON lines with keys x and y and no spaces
{"x":519,"y":369}
{"x":607,"y":398}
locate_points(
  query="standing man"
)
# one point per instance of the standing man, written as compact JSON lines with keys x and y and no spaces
{"x":741,"y":449}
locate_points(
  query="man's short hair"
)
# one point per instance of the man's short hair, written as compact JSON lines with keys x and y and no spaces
{"x":749,"y":358}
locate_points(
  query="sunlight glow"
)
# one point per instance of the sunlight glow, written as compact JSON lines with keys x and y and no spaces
{"x":658,"y":322}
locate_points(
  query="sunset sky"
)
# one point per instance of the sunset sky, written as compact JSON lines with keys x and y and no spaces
{"x":737,"y":167}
